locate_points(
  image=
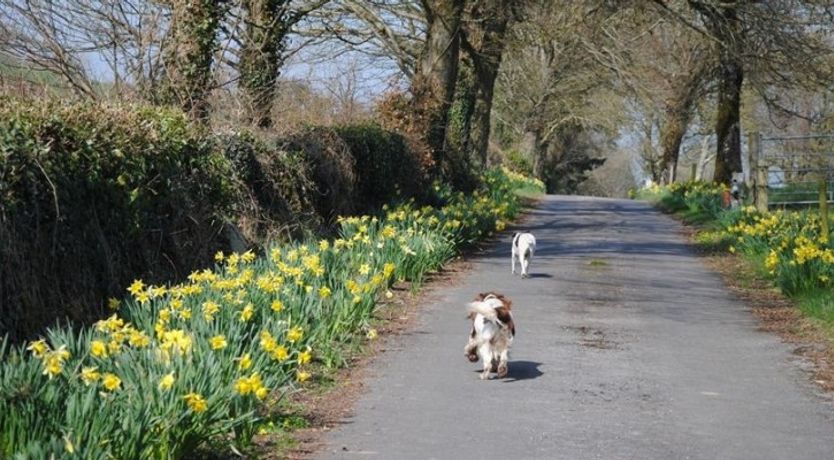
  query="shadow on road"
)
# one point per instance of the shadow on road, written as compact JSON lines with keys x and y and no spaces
{"x":523,"y":370}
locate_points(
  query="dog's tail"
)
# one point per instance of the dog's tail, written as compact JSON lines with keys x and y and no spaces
{"x":485,"y":308}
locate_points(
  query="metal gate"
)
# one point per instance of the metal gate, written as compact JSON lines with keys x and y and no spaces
{"x":791,"y":171}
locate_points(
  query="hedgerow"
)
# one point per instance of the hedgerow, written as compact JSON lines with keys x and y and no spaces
{"x":93,"y":195}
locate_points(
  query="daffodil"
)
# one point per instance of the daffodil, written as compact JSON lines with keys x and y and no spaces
{"x":280,"y":353}
{"x":90,"y":375}
{"x":98,"y":349}
{"x":277,"y":305}
{"x":218,"y":342}
{"x":111,"y":382}
{"x":166,"y":382}
{"x":247,"y":312}
{"x":39,"y":348}
{"x":244,"y":362}
{"x":324,"y":292}
{"x":295,"y":334}
{"x":137,"y":287}
{"x":195,"y":402}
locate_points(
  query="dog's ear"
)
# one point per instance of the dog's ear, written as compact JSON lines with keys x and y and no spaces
{"x":480,"y":297}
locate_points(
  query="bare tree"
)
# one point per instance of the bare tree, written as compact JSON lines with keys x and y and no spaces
{"x":770,"y":42}
{"x":41,"y":34}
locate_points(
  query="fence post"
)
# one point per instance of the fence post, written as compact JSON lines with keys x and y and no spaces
{"x":758,"y":171}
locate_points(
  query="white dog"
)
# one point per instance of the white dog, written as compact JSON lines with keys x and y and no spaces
{"x":524,"y":245}
{"x":492,"y":333}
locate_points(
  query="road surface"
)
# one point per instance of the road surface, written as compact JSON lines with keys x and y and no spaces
{"x":627,"y":347}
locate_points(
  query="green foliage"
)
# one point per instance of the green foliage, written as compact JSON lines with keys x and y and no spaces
{"x":385,"y":165}
{"x":95,"y":195}
{"x":278,"y":184}
{"x":517,"y":161}
{"x":696,"y":202}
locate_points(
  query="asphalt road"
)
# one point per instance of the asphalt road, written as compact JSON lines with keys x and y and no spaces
{"x":627,"y":347}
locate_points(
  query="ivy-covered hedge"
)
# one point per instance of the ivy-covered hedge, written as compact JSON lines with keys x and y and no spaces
{"x":385,"y":166}
{"x":93,"y":196}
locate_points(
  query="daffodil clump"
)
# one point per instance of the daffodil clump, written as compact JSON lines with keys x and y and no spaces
{"x":796,"y":253}
{"x":177,"y":365}
{"x":790,"y":245}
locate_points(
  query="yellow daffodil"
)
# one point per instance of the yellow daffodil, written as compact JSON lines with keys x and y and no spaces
{"x":90,"y":375}
{"x":277,"y":305}
{"x":111,"y":382}
{"x":166,"y":382}
{"x":137,"y":287}
{"x":244,"y":362}
{"x":247,"y":312}
{"x":196,"y":402}
{"x":98,"y":349}
{"x":218,"y":342}
{"x":280,"y":353}
{"x":39,"y":348}
{"x":295,"y":334}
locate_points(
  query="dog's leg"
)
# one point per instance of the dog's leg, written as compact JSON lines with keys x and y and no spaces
{"x":503,"y":360}
{"x":525,"y":262}
{"x":485,"y":353}
{"x":471,"y":349}
{"x":513,"y":260}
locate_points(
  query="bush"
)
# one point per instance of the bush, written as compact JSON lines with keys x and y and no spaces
{"x":279,"y":194}
{"x":386,"y":167}
{"x":92,"y":196}
{"x":332,"y":168}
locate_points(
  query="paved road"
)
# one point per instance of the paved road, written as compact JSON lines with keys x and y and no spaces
{"x":627,"y":348}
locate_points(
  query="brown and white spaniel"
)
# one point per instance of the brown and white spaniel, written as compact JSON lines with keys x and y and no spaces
{"x":492,"y":332}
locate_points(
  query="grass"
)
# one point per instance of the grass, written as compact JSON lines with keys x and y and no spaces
{"x":819,"y":305}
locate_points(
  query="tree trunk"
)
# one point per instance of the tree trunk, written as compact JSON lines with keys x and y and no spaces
{"x":532,"y":147}
{"x":670,"y":143}
{"x":261,"y":57}
{"x":728,"y":123}
{"x":723,"y":22}
{"x":192,"y":41}
{"x":703,"y":158}
{"x":486,"y":40}
{"x":433,"y":86}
